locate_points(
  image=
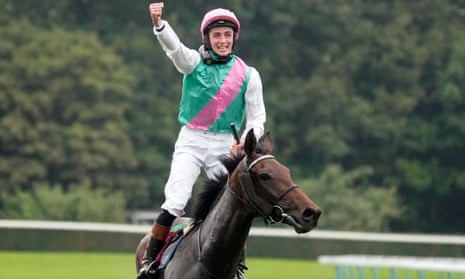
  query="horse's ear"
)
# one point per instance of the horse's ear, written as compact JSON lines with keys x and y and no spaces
{"x":250,"y":144}
{"x":266,"y":143}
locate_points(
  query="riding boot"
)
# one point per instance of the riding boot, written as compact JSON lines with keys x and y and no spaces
{"x":241,"y":267}
{"x":156,"y":242}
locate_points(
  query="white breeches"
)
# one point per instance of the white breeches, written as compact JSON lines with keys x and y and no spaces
{"x":194,"y":149}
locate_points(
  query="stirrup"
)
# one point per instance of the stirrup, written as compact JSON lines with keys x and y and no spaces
{"x":147,"y":271}
{"x":240,"y":272}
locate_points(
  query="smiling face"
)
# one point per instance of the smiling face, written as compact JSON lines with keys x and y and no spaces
{"x":221,"y":40}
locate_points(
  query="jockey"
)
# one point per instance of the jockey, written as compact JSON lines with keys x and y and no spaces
{"x":219,"y":88}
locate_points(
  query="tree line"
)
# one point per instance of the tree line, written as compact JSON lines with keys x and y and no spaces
{"x":365,"y":101}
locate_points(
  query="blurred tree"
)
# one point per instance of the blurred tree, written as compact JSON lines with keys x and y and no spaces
{"x":79,"y":203}
{"x":350,"y":202}
{"x":430,"y":164}
{"x":62,"y":111}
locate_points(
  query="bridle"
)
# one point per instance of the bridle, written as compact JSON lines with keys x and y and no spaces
{"x":248,"y":182}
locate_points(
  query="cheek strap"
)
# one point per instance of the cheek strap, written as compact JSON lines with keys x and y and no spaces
{"x":248,"y":188}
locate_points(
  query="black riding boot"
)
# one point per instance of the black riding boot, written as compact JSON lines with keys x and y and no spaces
{"x":160,"y":230}
{"x":153,"y":248}
{"x":241,"y":267}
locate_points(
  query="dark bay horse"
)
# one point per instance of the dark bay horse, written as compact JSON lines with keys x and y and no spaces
{"x":258,"y":186}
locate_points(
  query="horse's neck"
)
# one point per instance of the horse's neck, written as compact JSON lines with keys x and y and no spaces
{"x":225,"y":230}
{"x":229,"y":220}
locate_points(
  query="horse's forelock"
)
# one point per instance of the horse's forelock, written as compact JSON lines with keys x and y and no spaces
{"x":213,"y":188}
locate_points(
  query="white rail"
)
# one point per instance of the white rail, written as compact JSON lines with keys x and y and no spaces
{"x":397,"y":262}
{"x":255,"y":231}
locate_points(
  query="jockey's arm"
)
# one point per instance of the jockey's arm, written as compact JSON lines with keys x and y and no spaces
{"x":254,"y":106}
{"x":183,"y":58}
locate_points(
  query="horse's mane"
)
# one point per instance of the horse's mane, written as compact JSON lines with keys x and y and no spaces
{"x":212,"y":189}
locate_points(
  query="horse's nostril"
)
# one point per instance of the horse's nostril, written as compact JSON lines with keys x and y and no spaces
{"x":311,"y":214}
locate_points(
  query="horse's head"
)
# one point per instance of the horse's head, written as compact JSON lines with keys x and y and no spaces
{"x":267,"y":186}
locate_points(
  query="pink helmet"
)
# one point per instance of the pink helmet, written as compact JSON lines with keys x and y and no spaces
{"x":218,"y":15}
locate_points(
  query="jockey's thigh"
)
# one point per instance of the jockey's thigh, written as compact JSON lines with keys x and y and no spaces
{"x":186,"y":164}
{"x":194,"y":149}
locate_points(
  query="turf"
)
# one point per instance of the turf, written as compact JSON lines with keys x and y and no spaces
{"x":52,"y":265}
{"x":292,"y":269}
{"x":66,"y":265}
{"x":28,"y":265}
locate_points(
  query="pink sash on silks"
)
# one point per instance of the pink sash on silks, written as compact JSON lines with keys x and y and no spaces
{"x":228,"y":91}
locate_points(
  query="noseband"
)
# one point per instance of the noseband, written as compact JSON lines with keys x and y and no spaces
{"x":248,"y":182}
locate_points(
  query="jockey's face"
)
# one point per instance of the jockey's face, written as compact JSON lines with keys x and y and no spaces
{"x":221,"y":40}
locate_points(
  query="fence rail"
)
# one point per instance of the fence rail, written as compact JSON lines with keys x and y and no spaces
{"x":255,"y":231}
{"x":354,"y":266}
{"x":270,"y":241}
{"x":402,"y":262}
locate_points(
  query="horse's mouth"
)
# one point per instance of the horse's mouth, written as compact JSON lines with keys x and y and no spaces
{"x":300,"y":227}
{"x":305,"y":224}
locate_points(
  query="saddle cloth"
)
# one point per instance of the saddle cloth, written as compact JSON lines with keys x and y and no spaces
{"x":172,"y":241}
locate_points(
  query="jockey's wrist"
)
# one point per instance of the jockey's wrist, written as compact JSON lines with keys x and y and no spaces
{"x":160,"y":28}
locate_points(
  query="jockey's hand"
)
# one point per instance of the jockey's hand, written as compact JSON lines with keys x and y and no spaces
{"x":156,"y":10}
{"x":237,"y":149}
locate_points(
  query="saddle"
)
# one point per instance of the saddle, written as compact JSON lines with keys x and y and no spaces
{"x":179,"y":229}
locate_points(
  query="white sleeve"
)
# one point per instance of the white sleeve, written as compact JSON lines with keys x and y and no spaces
{"x":254,"y":106}
{"x":183,"y":58}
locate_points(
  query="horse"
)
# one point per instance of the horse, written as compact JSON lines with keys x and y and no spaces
{"x":258,"y":185}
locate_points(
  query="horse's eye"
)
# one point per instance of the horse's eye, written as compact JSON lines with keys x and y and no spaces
{"x":264,"y":177}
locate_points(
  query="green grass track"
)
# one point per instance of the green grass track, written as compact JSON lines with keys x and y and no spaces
{"x":52,"y":265}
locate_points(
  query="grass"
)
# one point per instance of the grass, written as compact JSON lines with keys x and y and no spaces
{"x":292,"y":269}
{"x":51,"y":265}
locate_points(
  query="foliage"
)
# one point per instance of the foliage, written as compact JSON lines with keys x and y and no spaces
{"x":431,"y":165}
{"x":79,"y":203}
{"x":350,"y":202}
{"x":62,"y":111}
